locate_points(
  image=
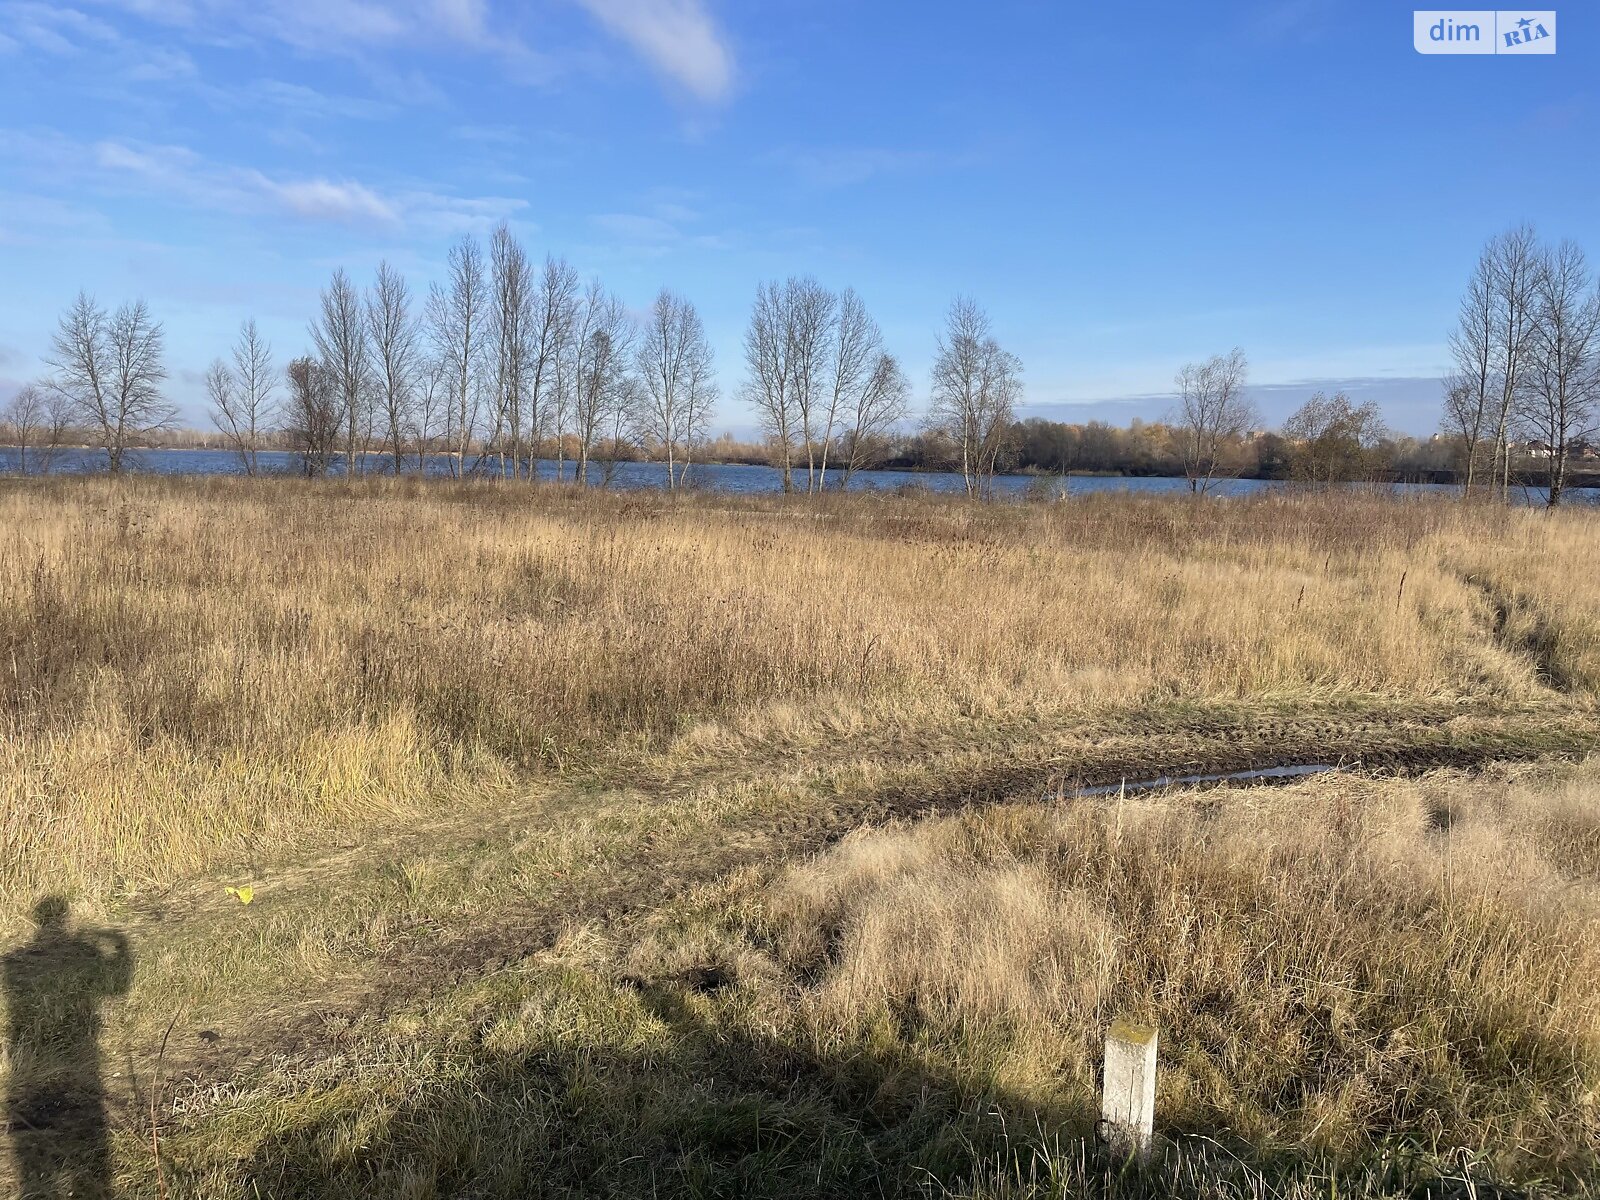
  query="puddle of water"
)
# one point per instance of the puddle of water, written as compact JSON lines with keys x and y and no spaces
{"x":1165,"y":781}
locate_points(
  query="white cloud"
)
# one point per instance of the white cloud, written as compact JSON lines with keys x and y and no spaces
{"x":455,"y":215}
{"x":325,"y":24}
{"x":300,"y":100}
{"x":159,"y":63}
{"x":358,"y":29}
{"x":466,"y":20}
{"x":326,"y":200}
{"x":54,"y":29}
{"x":666,"y":228}
{"x":153,"y":162}
{"x":165,"y":12}
{"x":678,"y":37}
{"x":179,"y":174}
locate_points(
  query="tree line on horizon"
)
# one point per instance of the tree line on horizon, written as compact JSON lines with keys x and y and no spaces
{"x":505,"y":359}
{"x":505,"y":362}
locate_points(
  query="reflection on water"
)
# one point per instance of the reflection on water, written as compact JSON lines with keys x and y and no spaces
{"x":736,"y":479}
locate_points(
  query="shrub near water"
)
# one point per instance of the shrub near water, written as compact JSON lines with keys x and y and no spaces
{"x":195,"y":670}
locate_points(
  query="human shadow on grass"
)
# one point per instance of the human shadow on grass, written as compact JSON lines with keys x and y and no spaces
{"x":55,"y":1102}
{"x":713,"y":1110}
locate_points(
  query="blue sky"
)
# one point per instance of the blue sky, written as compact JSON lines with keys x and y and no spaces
{"x":1124,"y":188}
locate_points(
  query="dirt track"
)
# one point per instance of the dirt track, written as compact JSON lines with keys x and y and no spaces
{"x":666,"y":848}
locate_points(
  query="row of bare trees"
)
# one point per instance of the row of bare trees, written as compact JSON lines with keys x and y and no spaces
{"x":1526,"y":352}
{"x":828,"y":392}
{"x":38,"y":421}
{"x":820,"y":379}
{"x":107,"y":369}
{"x":504,"y":359}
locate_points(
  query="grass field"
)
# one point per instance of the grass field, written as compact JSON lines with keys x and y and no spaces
{"x":633,"y":845}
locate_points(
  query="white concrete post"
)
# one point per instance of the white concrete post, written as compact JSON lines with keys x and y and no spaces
{"x":1128,"y":1092}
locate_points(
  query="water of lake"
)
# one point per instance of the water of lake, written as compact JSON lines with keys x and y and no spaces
{"x":737,"y":479}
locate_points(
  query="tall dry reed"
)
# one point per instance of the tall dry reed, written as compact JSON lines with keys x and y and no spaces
{"x":195,"y":670}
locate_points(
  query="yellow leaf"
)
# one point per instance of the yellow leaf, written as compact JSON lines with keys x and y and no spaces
{"x":243,"y":894}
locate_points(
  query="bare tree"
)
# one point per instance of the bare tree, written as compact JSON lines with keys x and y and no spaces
{"x":788,"y":352}
{"x":811,"y":337}
{"x":392,"y":334}
{"x":241,"y":396}
{"x":975,"y":390}
{"x":769,"y":387}
{"x":511,"y":314}
{"x":602,"y":353}
{"x":458,"y":326}
{"x":340,"y":335}
{"x":431,"y":386}
{"x":37,"y":420}
{"x":1469,"y":390}
{"x":555,"y":312}
{"x":677,"y":388}
{"x":110,"y":370}
{"x":1563,"y":371}
{"x":699,"y":388}
{"x":1463,"y":419}
{"x":314,"y":414}
{"x":625,"y":420}
{"x":1213,"y":412}
{"x":867,"y":390}
{"x":223,"y":393}
{"x":1511,"y":265}
{"x":870,"y":412}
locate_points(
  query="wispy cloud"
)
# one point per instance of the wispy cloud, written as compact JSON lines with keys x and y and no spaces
{"x":158,"y":63}
{"x":662,"y":226}
{"x":180,"y":175}
{"x":68,"y":33}
{"x":677,"y":37}
{"x":54,"y":29}
{"x":298,"y":100}
{"x":356,"y":29}
{"x":328,"y":200}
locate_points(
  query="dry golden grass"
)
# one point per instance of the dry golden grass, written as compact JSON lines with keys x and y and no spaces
{"x":1333,"y":965}
{"x":191,"y":671}
{"x":1364,"y":988}
{"x":529,"y":782}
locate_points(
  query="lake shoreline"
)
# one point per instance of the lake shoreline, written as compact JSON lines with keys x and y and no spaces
{"x":746,"y":478}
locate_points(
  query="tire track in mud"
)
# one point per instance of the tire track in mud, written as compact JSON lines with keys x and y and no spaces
{"x":1538,"y":642}
{"x":438,"y":955}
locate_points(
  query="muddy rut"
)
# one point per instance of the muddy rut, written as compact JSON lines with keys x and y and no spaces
{"x":667,"y":856}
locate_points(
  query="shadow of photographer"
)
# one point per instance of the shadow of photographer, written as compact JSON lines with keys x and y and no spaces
{"x":55,"y":1103}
